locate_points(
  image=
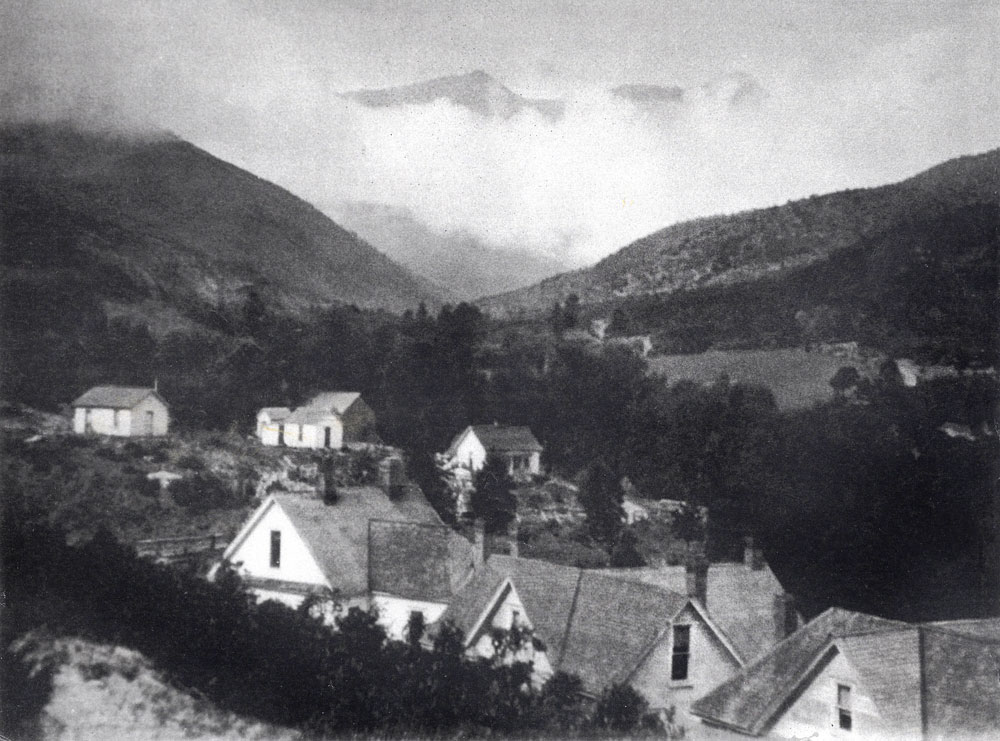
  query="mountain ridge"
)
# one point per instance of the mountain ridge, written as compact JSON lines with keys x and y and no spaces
{"x":742,"y":247}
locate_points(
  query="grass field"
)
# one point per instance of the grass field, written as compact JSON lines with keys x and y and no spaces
{"x":797,"y":378}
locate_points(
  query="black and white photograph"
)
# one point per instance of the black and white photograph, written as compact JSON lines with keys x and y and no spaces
{"x":616,"y":370}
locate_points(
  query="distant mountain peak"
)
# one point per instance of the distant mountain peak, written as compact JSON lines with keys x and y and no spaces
{"x":477,"y":91}
{"x":646,"y":93}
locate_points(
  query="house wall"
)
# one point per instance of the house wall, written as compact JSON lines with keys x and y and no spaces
{"x":297,"y":563}
{"x":313,"y":435}
{"x":709,"y":665}
{"x":267,"y":430}
{"x":470,"y":453}
{"x":503,"y":617}
{"x":161,"y":417}
{"x":359,"y":423}
{"x":394,"y":613}
{"x":813,"y":714}
{"x":123,"y":422}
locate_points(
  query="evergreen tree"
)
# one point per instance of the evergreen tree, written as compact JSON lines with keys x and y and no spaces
{"x":493,"y":500}
{"x":601,"y":496}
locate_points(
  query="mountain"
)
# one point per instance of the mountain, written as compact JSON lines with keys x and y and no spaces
{"x":643,"y":93}
{"x":460,"y":267}
{"x":476,"y":91}
{"x":159,"y":223}
{"x":744,"y":247}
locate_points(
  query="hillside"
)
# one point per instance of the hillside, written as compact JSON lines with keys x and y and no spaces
{"x":741,"y":248}
{"x":460,"y":266}
{"x":162,"y":224}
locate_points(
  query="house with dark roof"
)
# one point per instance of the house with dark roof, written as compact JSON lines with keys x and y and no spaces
{"x":328,"y":420}
{"x":124,"y":411}
{"x":851,"y":675}
{"x":364,"y":549}
{"x":604,"y":628}
{"x":745,"y":599}
{"x":515,"y":444}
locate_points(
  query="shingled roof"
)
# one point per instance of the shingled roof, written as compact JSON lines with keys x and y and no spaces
{"x":333,"y":401}
{"x":417,"y":561}
{"x":500,"y":439}
{"x":115,"y":397}
{"x":739,"y":599}
{"x":935,"y":679}
{"x":337,"y":534}
{"x":594,"y":625}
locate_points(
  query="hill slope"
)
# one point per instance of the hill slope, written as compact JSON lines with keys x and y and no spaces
{"x":739,"y":248}
{"x":163,"y":222}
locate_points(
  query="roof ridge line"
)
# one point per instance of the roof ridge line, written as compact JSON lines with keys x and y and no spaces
{"x":569,"y":619}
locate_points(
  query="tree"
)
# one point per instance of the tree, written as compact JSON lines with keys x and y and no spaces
{"x":626,"y":553}
{"x":493,"y":500}
{"x":846,"y":378}
{"x":620,"y":708}
{"x":601,"y":496}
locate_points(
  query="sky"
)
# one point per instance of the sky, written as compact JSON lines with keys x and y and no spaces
{"x":843,"y":94}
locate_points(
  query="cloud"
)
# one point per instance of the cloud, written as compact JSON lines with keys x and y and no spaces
{"x":241,"y":85}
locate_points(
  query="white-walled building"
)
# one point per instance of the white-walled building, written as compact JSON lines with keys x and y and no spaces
{"x":123,"y":411}
{"x":365,"y":549}
{"x":603,"y":628}
{"x":328,"y":420}
{"x":515,"y":444}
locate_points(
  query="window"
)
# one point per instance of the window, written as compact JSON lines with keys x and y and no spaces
{"x":515,"y":618}
{"x":275,"y":549}
{"x":681,"y":653}
{"x":300,"y":432}
{"x":844,"y":719}
{"x":117,"y":421}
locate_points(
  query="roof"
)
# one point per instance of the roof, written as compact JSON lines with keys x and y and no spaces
{"x":939,"y":677}
{"x":337,"y":534}
{"x":740,"y":601}
{"x":309,"y":416}
{"x":597,"y":626}
{"x":275,"y":413}
{"x":417,"y":561}
{"x":115,"y":397}
{"x":500,"y":439}
{"x":334,"y":401}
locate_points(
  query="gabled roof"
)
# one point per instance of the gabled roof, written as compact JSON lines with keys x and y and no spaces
{"x":337,"y":534}
{"x":333,"y":401}
{"x":739,"y":599}
{"x":115,"y":397}
{"x":310,"y":416}
{"x":275,"y":413}
{"x":938,"y":679}
{"x":417,"y":561}
{"x":500,"y":439}
{"x":598,"y":626}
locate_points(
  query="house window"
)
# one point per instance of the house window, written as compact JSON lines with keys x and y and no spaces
{"x":300,"y":432}
{"x":681,"y":653}
{"x":844,"y":718}
{"x":275,"y":549}
{"x":515,"y":618}
{"x":117,"y":421}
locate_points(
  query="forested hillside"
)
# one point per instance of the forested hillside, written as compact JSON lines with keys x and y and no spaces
{"x":744,"y":247}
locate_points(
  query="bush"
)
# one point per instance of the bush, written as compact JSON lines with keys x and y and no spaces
{"x":620,"y":709}
{"x":204,"y":492}
{"x":191,"y":462}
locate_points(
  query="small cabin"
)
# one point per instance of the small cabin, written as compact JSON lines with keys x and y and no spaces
{"x":328,"y":420}
{"x":123,"y":411}
{"x":516,"y":445}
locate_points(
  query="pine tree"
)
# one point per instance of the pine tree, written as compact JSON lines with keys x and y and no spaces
{"x":493,"y":500}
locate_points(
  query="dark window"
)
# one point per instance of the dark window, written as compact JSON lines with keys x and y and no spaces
{"x":275,"y":549}
{"x":681,"y":653}
{"x":300,"y":432}
{"x":844,"y":718}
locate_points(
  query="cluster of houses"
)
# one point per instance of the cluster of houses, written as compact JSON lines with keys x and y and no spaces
{"x":722,"y":643}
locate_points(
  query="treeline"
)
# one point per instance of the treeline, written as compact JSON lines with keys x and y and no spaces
{"x":925,"y":290}
{"x":281,"y":665}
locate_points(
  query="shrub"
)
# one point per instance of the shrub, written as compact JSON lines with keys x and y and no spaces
{"x":191,"y":462}
{"x":203,"y":492}
{"x":620,"y":709}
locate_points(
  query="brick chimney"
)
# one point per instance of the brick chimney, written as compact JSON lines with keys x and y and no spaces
{"x":478,"y":543}
{"x":696,"y":576}
{"x":753,"y":556}
{"x":786,"y":619}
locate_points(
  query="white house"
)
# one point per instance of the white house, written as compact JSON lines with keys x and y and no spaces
{"x":603,"y":628}
{"x":850,"y":675}
{"x":328,"y":420}
{"x":365,"y":549}
{"x":516,"y":445}
{"x":124,"y":411}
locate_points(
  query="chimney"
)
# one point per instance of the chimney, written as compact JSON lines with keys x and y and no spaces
{"x":753,"y":556}
{"x":696,"y":577}
{"x":478,"y":543}
{"x":513,"y":538}
{"x":786,"y":620}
